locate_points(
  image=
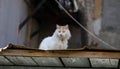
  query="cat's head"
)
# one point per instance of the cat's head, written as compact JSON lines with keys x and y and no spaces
{"x":63,"y":32}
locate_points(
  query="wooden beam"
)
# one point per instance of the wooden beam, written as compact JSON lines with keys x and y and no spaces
{"x":98,"y":8}
{"x":61,"y":53}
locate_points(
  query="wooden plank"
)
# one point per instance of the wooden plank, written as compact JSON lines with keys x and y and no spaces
{"x":98,"y":8}
{"x":47,"y":61}
{"x":76,"y":62}
{"x":4,"y":61}
{"x":28,"y":32}
{"x":19,"y":60}
{"x":59,"y":53}
{"x":32,"y":26}
{"x":95,"y":62}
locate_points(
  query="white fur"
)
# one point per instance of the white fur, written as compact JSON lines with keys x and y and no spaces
{"x":54,"y":42}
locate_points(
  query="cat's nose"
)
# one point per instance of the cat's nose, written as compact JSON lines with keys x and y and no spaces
{"x":60,"y":35}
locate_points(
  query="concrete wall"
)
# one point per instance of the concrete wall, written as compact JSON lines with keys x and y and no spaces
{"x":110,"y":32}
{"x":103,"y":21}
{"x":12,"y":12}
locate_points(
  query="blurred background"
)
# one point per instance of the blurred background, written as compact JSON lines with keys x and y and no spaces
{"x":27,"y":22}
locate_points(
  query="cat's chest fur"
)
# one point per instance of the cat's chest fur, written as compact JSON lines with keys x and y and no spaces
{"x":52,"y":43}
{"x":61,"y":44}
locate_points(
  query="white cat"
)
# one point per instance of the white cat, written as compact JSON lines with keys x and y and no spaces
{"x":59,"y":39}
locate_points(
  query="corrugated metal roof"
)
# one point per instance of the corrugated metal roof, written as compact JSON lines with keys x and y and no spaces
{"x":83,"y":57}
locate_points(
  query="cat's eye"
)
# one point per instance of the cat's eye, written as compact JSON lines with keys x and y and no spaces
{"x":59,"y":31}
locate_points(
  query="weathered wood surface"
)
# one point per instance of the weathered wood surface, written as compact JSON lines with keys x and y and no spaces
{"x":98,"y":8}
{"x":59,"y":53}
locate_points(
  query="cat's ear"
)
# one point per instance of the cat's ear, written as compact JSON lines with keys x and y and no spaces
{"x":66,"y":26}
{"x":57,"y":26}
